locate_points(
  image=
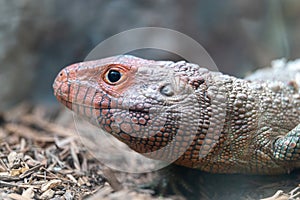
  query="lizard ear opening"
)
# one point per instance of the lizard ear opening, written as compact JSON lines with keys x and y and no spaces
{"x":167,"y":90}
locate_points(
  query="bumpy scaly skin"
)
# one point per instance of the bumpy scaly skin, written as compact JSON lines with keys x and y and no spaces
{"x":182,"y":112}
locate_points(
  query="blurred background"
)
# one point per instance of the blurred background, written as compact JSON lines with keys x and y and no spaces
{"x":39,"y":37}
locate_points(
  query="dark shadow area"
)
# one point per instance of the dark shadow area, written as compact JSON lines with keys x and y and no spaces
{"x":195,"y":184}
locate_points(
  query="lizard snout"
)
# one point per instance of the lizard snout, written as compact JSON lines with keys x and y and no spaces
{"x":62,"y":88}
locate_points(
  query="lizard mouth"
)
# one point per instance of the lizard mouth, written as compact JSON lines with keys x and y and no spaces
{"x":66,"y":103}
{"x":76,"y":107}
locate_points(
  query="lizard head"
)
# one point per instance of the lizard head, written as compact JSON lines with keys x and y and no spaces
{"x":144,"y":103}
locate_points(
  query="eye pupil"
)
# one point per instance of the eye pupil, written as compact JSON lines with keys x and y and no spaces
{"x":113,"y":76}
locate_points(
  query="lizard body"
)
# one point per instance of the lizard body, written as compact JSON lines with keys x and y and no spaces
{"x":180,"y":111}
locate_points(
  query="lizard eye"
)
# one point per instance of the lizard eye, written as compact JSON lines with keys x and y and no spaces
{"x":113,"y":76}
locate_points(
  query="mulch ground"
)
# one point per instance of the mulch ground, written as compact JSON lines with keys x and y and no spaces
{"x":42,"y":158}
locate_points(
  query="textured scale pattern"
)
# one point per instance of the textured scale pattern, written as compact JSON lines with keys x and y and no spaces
{"x":184,"y":113}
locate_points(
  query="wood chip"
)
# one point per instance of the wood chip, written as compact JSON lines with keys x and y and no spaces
{"x":48,"y":194}
{"x":72,"y":178}
{"x":28,"y":193}
{"x":27,"y":132}
{"x":68,"y":195}
{"x":50,"y":184}
{"x":16,"y":196}
{"x":112,"y":180}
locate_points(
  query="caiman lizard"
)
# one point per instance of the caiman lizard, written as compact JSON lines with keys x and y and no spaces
{"x":213,"y":122}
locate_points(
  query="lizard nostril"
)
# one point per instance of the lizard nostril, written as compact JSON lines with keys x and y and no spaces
{"x":62,"y":76}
